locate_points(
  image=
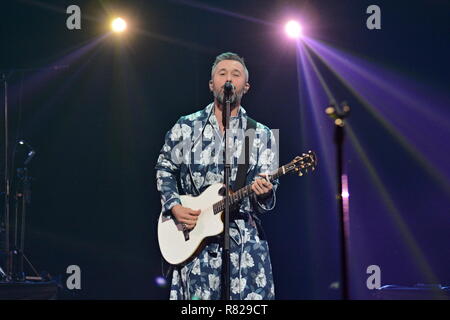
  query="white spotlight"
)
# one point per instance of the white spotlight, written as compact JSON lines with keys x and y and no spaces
{"x":293,"y":29}
{"x":118,"y":25}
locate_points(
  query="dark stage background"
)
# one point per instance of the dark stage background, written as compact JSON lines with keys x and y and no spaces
{"x":98,"y":125}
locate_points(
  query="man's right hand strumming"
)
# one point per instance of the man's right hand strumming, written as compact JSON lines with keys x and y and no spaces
{"x":187,"y":216}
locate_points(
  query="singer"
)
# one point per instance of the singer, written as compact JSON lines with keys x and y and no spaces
{"x":199,"y":164}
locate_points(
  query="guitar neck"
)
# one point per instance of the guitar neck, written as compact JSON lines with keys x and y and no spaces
{"x":247,"y":190}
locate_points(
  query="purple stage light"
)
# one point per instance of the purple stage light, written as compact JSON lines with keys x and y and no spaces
{"x":161,"y":281}
{"x":345,"y":199}
{"x":397,"y":106}
{"x":293,"y":29}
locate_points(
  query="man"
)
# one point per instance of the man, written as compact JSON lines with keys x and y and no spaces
{"x":199,"y":164}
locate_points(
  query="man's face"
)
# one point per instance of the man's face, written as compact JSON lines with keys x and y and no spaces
{"x":233,"y":71}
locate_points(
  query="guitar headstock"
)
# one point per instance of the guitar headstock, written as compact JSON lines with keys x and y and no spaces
{"x":302,"y":163}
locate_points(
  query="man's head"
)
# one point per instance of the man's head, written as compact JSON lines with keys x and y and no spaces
{"x":229,"y":67}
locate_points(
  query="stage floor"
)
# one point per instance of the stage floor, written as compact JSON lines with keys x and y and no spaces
{"x":28,"y":290}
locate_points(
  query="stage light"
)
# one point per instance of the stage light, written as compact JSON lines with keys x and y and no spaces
{"x":161,"y":281}
{"x":345,"y":194}
{"x":118,"y":25}
{"x":293,"y":29}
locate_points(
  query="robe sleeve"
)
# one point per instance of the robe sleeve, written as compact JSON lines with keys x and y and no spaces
{"x":267,"y":163}
{"x":168,"y":168}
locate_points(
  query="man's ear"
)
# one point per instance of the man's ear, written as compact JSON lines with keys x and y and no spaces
{"x":246,"y":87}
{"x":211,"y":88}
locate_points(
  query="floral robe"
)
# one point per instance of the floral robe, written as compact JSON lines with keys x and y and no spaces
{"x":193,"y":151}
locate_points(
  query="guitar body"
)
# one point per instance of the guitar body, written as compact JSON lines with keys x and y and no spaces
{"x":177,"y":245}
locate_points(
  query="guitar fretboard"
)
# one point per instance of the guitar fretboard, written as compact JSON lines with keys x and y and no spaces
{"x":247,"y":190}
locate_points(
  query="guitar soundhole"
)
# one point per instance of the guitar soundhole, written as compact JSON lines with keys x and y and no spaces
{"x":222,"y":191}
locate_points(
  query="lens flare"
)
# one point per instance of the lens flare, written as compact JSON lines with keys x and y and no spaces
{"x":293,"y":29}
{"x":161,"y":281}
{"x":118,"y":25}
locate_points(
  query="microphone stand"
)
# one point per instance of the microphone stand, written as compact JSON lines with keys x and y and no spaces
{"x":25,"y":196}
{"x":227,"y":171}
{"x":7,"y":274}
{"x":7,"y":185}
{"x":339,"y":134}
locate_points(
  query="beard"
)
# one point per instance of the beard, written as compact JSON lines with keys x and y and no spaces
{"x":234,"y":99}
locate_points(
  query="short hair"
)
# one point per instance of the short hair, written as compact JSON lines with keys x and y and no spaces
{"x":229,"y":56}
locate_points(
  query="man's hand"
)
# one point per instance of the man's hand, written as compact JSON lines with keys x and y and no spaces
{"x":186,"y":216}
{"x":262,"y":186}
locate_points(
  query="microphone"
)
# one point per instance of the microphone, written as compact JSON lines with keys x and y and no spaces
{"x":228,"y":87}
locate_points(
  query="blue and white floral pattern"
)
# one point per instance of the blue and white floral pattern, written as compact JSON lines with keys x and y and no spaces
{"x":193,"y":151}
